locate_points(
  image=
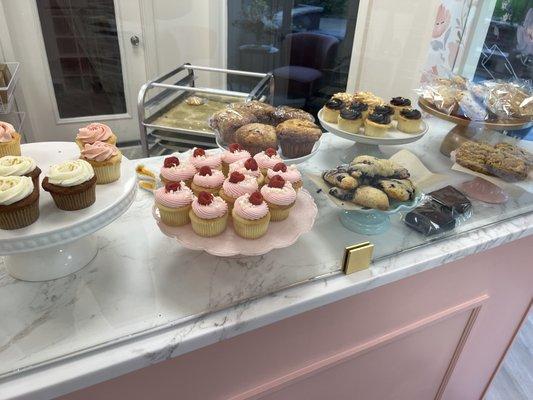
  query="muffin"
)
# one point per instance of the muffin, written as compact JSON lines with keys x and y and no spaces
{"x":290,"y":174}
{"x":19,"y":202}
{"x":20,"y":166}
{"x":9,"y":140}
{"x":256,"y":137}
{"x":95,"y":132}
{"x":398,"y":104}
{"x":283,"y":113}
{"x":208,"y":215}
{"x":280,"y":197}
{"x":207,"y":180}
{"x":376,"y":124}
{"x":267,"y":159}
{"x":105,"y":159}
{"x":250,"y":216}
{"x":297,"y":137}
{"x":235,"y":152}
{"x":264,"y":112}
{"x":71,"y":184}
{"x":175,"y":171}
{"x":410,"y":120}
{"x":227,"y":121}
{"x":235,"y":185}
{"x":174,"y":203}
{"x":331,"y":110}
{"x":199,"y":158}
{"x":248,"y":167}
{"x":350,"y":120}
{"x":361,"y":107}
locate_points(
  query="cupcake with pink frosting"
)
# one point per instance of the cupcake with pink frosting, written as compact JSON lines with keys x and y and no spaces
{"x":105,"y":159}
{"x":234,"y":153}
{"x":95,"y":132}
{"x":280,"y":197}
{"x":200,"y":158}
{"x":267,"y":159}
{"x":208,"y":214}
{"x":289,"y":173}
{"x":248,"y":167}
{"x":207,"y":180}
{"x":174,"y":203}
{"x":250,"y":216}
{"x":9,"y":140}
{"x":173,"y":170}
{"x":235,"y":185}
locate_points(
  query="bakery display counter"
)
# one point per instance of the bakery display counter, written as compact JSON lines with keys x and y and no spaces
{"x":145,"y":299}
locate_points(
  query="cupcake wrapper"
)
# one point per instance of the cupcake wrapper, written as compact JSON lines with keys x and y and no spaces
{"x":78,"y":201}
{"x":296,"y":150}
{"x":107,"y":173}
{"x":10,"y":149}
{"x":250,"y":229}
{"x":197,"y":189}
{"x":279,"y":213}
{"x":225,"y":168}
{"x":21,"y":217}
{"x":230,"y":201}
{"x":208,"y":227}
{"x":174,"y":216}
{"x":188,"y":182}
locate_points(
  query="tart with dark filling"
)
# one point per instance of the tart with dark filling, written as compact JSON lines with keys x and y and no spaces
{"x":377,"y":124}
{"x":410,"y":120}
{"x":350,"y":120}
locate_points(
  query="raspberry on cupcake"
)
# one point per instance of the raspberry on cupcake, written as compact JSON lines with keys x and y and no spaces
{"x":248,"y":167}
{"x":175,"y":171}
{"x":250,"y":216}
{"x":200,"y":158}
{"x":289,"y":173}
{"x":174,"y":203}
{"x":237,"y":184}
{"x":208,"y":214}
{"x":207,"y":180}
{"x":267,"y":159}
{"x":235,"y":152}
{"x":280,"y":197}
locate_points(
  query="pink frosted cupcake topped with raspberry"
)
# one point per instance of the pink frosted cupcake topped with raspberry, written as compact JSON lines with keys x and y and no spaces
{"x":289,"y":173}
{"x":173,"y":170}
{"x":200,"y":158}
{"x":207,"y":180}
{"x":237,"y":184}
{"x":267,"y":159}
{"x":235,"y":152}
{"x":248,"y":167}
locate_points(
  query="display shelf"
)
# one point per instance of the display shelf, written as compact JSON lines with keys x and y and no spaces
{"x":7,"y":97}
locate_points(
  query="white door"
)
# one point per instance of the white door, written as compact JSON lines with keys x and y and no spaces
{"x":81,"y":61}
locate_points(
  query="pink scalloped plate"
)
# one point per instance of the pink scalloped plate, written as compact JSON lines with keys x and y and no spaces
{"x":280,"y":234}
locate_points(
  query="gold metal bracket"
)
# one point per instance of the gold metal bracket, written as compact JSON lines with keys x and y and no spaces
{"x":357,"y":257}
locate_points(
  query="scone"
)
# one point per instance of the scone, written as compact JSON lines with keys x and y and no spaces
{"x":370,"y":197}
{"x":256,"y":137}
{"x":331,"y":110}
{"x":264,"y":112}
{"x":283,"y":113}
{"x":340,"y":179}
{"x":397,"y":189}
{"x":376,"y":125}
{"x":227,"y":121}
{"x":409,"y":120}
{"x":297,"y":137}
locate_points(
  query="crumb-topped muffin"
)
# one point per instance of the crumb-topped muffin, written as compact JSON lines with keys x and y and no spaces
{"x":283,"y":113}
{"x":228,"y":120}
{"x":264,"y":112}
{"x":297,"y":137}
{"x":256,"y":137}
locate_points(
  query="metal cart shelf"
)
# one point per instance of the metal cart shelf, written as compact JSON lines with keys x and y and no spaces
{"x":158,"y":99}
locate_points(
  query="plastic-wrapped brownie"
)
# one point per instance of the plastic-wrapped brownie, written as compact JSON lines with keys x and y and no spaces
{"x":453,"y":200}
{"x":430,"y":219}
{"x":264,"y":112}
{"x":283,"y":113}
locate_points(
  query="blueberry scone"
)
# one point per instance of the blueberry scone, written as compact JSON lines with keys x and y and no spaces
{"x":340,"y":178}
{"x":398,"y":189}
{"x":370,"y":197}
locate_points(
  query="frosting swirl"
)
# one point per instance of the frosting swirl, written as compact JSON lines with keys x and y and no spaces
{"x":95,"y":132}
{"x":177,"y":173}
{"x":174,"y":199}
{"x":410,"y":113}
{"x":334,"y":104}
{"x":400,"y":102}
{"x":212,"y":161}
{"x":265,"y":161}
{"x":239,"y":167}
{"x":16,"y":165}
{"x":382,"y":119}
{"x":350,"y":114}
{"x":248,"y":185}
{"x":243,"y":208}
{"x":6,"y":132}
{"x":209,"y":181}
{"x":228,"y":157}
{"x":383,"y":109}
{"x":279,"y":196}
{"x":359,"y":106}
{"x":70,"y":173}
{"x":292,"y":174}
{"x":14,"y":188}
{"x":99,"y":151}
{"x":216,"y":209}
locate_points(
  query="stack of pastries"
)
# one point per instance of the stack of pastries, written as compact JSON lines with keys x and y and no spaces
{"x":209,"y":189}
{"x":257,"y":126}
{"x":365,"y":110}
{"x":72,"y":184}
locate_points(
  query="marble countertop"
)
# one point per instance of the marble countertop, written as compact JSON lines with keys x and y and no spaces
{"x":145,"y":299}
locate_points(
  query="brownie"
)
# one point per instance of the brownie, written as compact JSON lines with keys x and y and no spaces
{"x":453,"y":200}
{"x":430,"y":218}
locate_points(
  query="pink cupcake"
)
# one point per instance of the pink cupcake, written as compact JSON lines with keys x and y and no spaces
{"x":248,"y":167}
{"x":200,"y":158}
{"x":175,"y":171}
{"x":208,"y":214}
{"x":207,"y":180}
{"x":95,"y":132}
{"x":290,"y":174}
{"x":250,"y":216}
{"x":267,"y":159}
{"x":234,"y":153}
{"x":235,"y":185}
{"x":280,"y":197}
{"x":174,"y":203}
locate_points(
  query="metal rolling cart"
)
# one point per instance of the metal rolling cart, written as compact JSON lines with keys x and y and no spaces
{"x":167,"y":122}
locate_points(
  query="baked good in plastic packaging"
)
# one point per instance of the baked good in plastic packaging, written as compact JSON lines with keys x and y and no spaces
{"x":227,"y":121}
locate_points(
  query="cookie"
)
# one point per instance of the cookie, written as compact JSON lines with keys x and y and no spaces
{"x":370,"y":197}
{"x":398,"y":189}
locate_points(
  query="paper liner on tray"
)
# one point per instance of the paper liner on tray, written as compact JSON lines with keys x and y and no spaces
{"x":423,"y":179}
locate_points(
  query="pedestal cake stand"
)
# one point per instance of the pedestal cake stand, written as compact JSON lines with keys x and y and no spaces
{"x":369,"y":145}
{"x":61,"y":242}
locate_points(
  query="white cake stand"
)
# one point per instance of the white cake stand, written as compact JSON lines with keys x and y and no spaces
{"x":369,"y":145}
{"x":60,"y":242}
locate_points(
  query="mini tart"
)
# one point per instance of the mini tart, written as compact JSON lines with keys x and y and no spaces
{"x":410,"y":121}
{"x":377,"y":125}
{"x":250,"y":221}
{"x":297,"y":137}
{"x":398,"y":104}
{"x":12,"y":147}
{"x":23,"y":212}
{"x":350,"y":120}
{"x":20,"y":166}
{"x":174,"y":203}
{"x":106,"y":171}
{"x":331,"y":110}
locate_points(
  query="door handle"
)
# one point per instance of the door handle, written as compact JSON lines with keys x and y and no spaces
{"x":134,"y":40}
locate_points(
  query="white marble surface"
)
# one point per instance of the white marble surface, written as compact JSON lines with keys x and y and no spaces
{"x":145,"y":299}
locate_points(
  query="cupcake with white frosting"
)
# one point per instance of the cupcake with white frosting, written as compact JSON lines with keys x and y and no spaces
{"x":9,"y":140}
{"x":20,"y":166}
{"x":105,"y":159}
{"x":19,"y":202}
{"x":71,"y":184}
